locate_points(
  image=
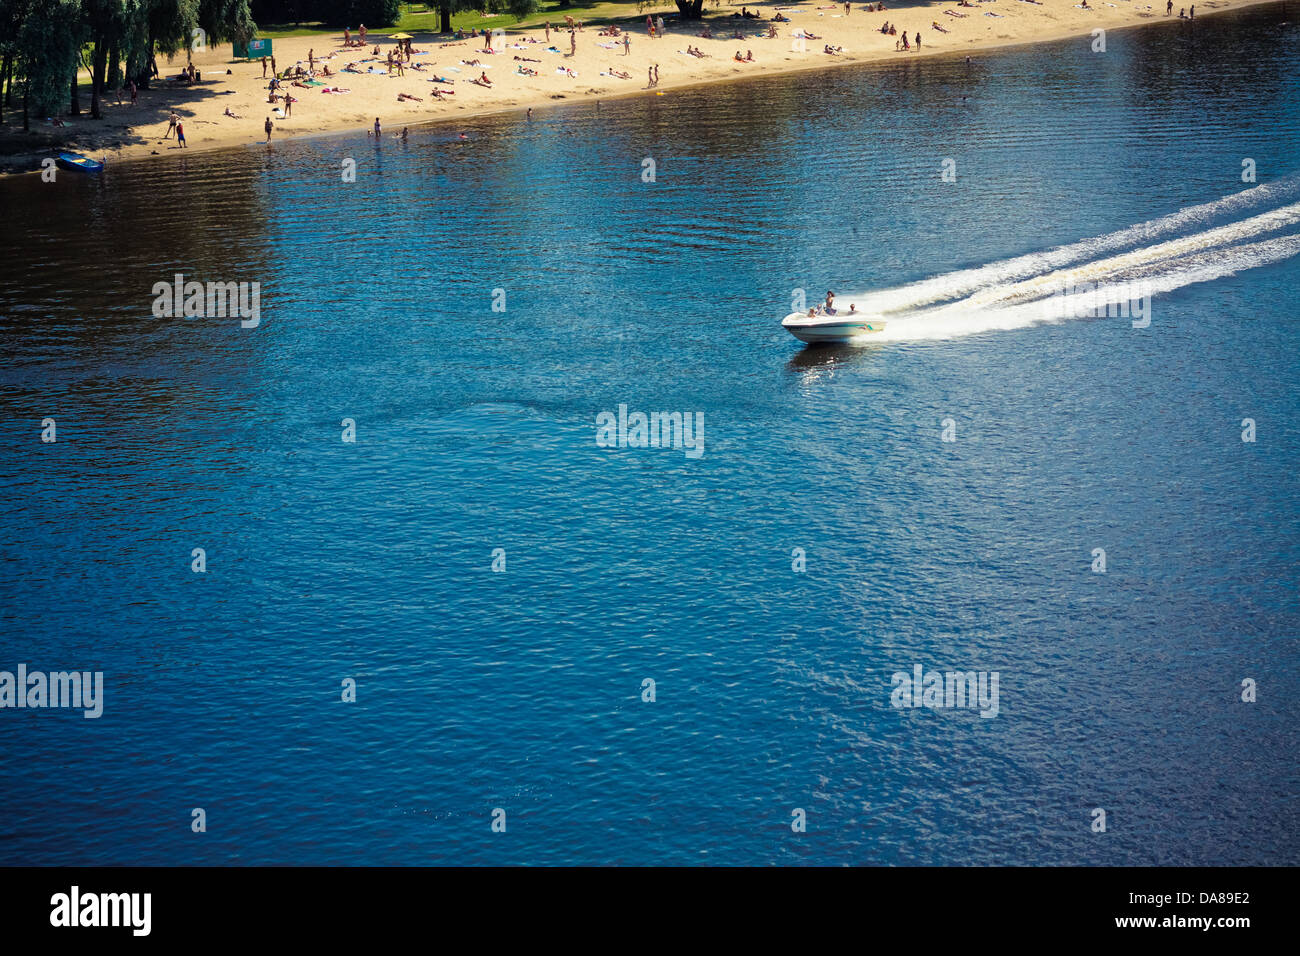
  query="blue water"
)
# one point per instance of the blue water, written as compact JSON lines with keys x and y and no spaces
{"x":475,"y":430}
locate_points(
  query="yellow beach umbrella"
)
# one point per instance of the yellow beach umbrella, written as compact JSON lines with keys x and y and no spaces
{"x":400,"y":36}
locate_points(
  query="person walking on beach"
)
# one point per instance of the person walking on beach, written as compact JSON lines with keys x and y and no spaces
{"x":1191,"y":16}
{"x":171,"y":125}
{"x":288,"y":104}
{"x":649,"y":76}
{"x":311,"y":60}
{"x":656,"y":74}
{"x":573,"y":43}
{"x":918,"y":39}
{"x":659,"y":26}
{"x":274,"y":71}
{"x":264,"y":58}
{"x":267,"y":127}
{"x":548,"y":31}
{"x":627,"y":44}
{"x":180,"y":134}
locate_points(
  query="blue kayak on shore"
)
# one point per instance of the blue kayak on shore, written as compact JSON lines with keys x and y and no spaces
{"x":77,"y":161}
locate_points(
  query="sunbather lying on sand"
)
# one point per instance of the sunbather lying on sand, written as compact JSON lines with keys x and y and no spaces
{"x":401,"y":97}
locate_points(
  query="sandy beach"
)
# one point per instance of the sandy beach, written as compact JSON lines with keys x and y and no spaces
{"x":526,"y":70}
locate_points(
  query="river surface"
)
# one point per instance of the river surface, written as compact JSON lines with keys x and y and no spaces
{"x":473,"y":306}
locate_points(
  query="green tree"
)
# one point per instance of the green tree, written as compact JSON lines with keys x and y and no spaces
{"x":49,"y":40}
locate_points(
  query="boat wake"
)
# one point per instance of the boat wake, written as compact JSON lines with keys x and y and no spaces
{"x":1114,"y":274}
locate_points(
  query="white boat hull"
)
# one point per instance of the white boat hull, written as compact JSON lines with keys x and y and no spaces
{"x":831,"y":329}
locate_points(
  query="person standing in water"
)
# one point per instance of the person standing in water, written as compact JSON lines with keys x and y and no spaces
{"x":377,"y":129}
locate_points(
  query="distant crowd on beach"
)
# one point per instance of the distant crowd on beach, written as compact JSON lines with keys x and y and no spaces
{"x":282,"y":86}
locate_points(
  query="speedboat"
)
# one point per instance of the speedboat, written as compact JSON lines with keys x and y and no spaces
{"x":836,"y":329}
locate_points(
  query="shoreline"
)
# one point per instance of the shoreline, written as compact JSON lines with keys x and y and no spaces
{"x":1059,"y":21}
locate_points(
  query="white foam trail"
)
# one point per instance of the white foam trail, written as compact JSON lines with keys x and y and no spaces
{"x":1165,"y":275}
{"x":968,"y":281}
{"x":1116,"y":266}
